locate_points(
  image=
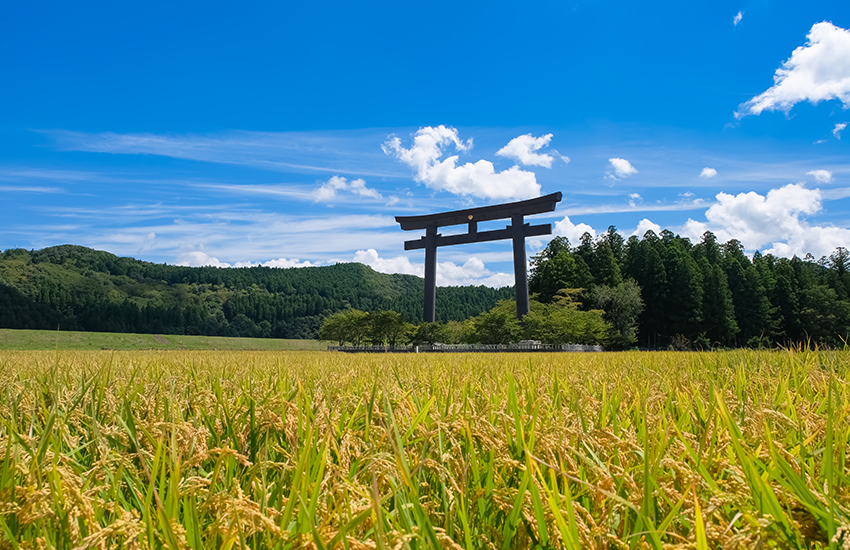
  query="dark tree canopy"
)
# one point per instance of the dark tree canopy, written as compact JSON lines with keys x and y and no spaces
{"x":77,"y":288}
{"x":706,"y":294}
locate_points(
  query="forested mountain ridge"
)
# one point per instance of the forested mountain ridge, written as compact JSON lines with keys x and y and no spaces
{"x":79,"y":288}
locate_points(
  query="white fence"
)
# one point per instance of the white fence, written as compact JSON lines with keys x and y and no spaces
{"x":468,"y":348}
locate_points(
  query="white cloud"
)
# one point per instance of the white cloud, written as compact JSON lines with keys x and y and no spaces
{"x":737,"y":18}
{"x":472,"y":272}
{"x":634,"y":198}
{"x":148,"y":243}
{"x":327,"y":191}
{"x":775,"y":220}
{"x":199,"y":258}
{"x":823,"y":176}
{"x":645,"y":225}
{"x":816,"y":72}
{"x":707,"y":173}
{"x":838,"y":128}
{"x":523,"y":149}
{"x":358,"y":187}
{"x":283,"y":263}
{"x":621,"y":168}
{"x":573,"y":232}
{"x":478,"y":179}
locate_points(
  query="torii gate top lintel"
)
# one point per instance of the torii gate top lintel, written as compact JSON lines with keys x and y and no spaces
{"x":528,"y":207}
{"x":517,"y":231}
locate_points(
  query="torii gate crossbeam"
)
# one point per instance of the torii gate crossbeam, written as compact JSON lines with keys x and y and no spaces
{"x":517,"y":231}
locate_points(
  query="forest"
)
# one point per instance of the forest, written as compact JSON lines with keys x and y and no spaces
{"x":77,"y":288}
{"x":705,"y":294}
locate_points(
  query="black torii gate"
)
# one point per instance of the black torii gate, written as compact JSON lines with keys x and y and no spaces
{"x":518,"y":231}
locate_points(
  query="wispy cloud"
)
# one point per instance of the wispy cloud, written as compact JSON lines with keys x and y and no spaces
{"x":292,"y":191}
{"x":10,"y":173}
{"x":737,"y":18}
{"x":351,"y":152}
{"x":838,"y":128}
{"x":231,"y":237}
{"x":578,"y":210}
{"x":30,"y":189}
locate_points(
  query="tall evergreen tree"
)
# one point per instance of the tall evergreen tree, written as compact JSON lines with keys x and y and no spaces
{"x":646,"y":266}
{"x":786,"y":298}
{"x":605,"y":267}
{"x":718,"y":311}
{"x":684,"y":299}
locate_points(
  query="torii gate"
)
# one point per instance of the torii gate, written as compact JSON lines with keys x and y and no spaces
{"x":518,"y":231}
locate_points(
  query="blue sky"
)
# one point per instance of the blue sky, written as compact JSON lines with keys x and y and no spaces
{"x":292,"y":133}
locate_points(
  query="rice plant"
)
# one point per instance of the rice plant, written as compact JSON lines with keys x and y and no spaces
{"x":282,"y":450}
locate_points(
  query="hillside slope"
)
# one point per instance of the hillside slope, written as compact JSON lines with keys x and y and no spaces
{"x":80,"y":288}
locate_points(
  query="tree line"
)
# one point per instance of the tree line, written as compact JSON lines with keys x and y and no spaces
{"x":77,"y":288}
{"x":559,"y":322}
{"x":659,"y":291}
{"x":704,"y":294}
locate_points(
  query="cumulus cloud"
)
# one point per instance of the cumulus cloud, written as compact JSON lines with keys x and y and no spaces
{"x":523,"y":149}
{"x":816,"y":72}
{"x":478,"y":179}
{"x":645,"y":225}
{"x":327,"y":191}
{"x":199,"y":258}
{"x":823,"y":176}
{"x":774,"y":220}
{"x":566,"y":228}
{"x":620,"y":168}
{"x":472,"y":272}
{"x":737,"y":18}
{"x":707,"y":173}
{"x":358,"y":187}
{"x":838,"y":128}
{"x":283,"y":263}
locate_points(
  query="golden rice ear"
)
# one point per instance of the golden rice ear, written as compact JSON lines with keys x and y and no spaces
{"x":510,"y":450}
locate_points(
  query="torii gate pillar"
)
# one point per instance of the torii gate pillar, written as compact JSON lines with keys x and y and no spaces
{"x":520,"y":265}
{"x":517,"y":232}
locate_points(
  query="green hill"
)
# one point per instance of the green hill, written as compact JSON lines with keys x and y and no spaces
{"x":78,"y":288}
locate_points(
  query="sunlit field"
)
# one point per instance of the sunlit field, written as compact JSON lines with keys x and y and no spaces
{"x":195,"y":449}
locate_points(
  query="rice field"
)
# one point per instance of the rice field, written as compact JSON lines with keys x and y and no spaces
{"x":196,"y":449}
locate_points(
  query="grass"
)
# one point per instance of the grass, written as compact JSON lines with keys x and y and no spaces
{"x":12,"y":339}
{"x":261,"y":450}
